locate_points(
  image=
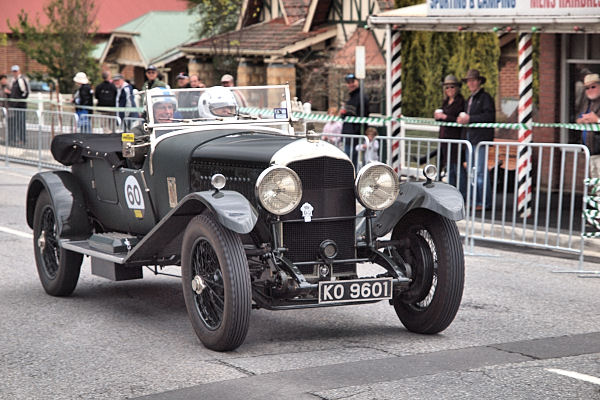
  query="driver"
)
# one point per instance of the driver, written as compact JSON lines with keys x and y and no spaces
{"x":217,"y":102}
{"x":164,"y":105}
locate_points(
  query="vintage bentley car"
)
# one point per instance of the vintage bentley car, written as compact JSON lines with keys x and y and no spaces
{"x":216,"y":182}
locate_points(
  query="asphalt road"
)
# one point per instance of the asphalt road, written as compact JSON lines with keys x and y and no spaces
{"x":523,"y":332}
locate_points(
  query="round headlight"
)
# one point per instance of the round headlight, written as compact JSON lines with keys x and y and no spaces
{"x":377,"y":186}
{"x":279,"y":189}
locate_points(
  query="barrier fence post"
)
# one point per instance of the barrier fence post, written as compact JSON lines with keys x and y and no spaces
{"x":5,"y":123}
{"x":38,"y":113}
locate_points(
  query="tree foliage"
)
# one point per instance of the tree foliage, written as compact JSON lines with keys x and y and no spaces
{"x":64,"y":45}
{"x":427,"y":57}
{"x":216,"y":16}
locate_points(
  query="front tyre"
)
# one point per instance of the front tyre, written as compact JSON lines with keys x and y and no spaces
{"x":58,"y":268}
{"x":437,"y":265}
{"x":216,"y":283}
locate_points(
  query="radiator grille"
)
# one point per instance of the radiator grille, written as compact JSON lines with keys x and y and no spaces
{"x":328,"y":185}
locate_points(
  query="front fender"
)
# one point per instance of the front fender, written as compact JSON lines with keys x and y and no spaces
{"x":232,"y":209}
{"x":67,"y":199}
{"x":438,"y":197}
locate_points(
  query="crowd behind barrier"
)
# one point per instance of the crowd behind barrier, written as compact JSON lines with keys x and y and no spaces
{"x":555,"y":218}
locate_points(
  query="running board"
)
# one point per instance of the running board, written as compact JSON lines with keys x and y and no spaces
{"x":107,"y":265}
{"x":83,"y":247}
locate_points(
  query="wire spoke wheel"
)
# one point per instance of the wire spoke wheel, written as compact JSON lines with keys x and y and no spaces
{"x":216,"y":283}
{"x":436,"y":258}
{"x":210,"y":301}
{"x":58,"y":269}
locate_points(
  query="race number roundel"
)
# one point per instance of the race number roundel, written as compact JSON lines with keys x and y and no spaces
{"x":133,"y":194}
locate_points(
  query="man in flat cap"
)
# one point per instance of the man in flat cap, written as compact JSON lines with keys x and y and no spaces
{"x":480,"y":108}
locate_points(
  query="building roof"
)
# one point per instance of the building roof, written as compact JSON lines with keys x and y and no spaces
{"x":267,"y":38}
{"x":110,"y":13}
{"x":345,"y":57}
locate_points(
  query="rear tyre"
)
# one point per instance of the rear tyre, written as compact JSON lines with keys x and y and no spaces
{"x":58,"y":269}
{"x":437,"y":261}
{"x":216,"y":283}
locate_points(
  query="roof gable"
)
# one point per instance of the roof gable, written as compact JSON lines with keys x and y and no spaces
{"x":110,"y":13}
{"x":176,"y":28}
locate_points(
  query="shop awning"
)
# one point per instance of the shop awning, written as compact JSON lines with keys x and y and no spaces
{"x":415,"y":18}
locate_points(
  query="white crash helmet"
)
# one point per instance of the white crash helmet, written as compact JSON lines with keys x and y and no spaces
{"x":217,"y":101}
{"x":161,"y":95}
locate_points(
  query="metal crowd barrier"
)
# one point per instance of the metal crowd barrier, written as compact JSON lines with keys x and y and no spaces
{"x":551,"y":222}
{"x":28,"y":134}
{"x":99,"y":123}
{"x":551,"y":219}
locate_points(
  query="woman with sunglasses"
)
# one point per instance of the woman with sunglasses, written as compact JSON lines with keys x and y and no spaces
{"x":454,"y":104}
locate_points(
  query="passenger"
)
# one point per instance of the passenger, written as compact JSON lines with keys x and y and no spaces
{"x":217,"y":102}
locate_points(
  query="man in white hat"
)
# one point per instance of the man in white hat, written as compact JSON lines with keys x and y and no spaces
{"x":83,"y":97}
{"x":19,"y":89}
{"x":589,"y":113}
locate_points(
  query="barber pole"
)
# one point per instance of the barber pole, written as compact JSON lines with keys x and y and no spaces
{"x":525,"y":133}
{"x":396,"y":97}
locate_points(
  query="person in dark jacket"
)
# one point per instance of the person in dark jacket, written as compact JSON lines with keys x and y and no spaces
{"x":152,"y":79}
{"x":454,"y":104}
{"x":352,"y":108}
{"x":480,"y":108}
{"x":19,"y":90}
{"x":83,"y":97}
{"x":105,"y":93}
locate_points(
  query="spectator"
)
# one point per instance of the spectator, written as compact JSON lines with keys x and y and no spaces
{"x":333,"y":128}
{"x":480,"y":108}
{"x":106,"y":93}
{"x":227,"y":80}
{"x":589,"y":113}
{"x":183,"y":81}
{"x":4,"y":90}
{"x":370,"y":148}
{"x":152,"y":79}
{"x":124,"y":99}
{"x":83,"y":97}
{"x":453,"y":105}
{"x":19,"y":90}
{"x":196,"y":82}
{"x":352,"y":108}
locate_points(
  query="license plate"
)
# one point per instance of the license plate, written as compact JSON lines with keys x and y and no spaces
{"x":355,"y":290}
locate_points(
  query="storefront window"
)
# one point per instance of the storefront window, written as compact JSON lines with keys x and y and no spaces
{"x":583,"y":57}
